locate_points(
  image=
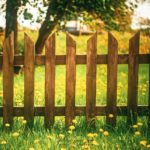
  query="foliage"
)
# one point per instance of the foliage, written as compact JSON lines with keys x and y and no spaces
{"x":112,"y":13}
{"x":106,"y":10}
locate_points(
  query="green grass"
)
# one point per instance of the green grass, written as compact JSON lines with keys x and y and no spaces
{"x":121,"y":137}
{"x":38,"y":138}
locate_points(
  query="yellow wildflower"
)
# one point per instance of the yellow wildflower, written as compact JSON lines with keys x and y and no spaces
{"x":3,"y":142}
{"x":74,"y":121}
{"x":49,"y":137}
{"x":62,"y":149}
{"x":95,"y":143}
{"x":21,"y":118}
{"x":70,"y":131}
{"x":143,"y":142}
{"x":137,"y":133}
{"x":72,"y":128}
{"x":135,"y":126}
{"x":73,"y":145}
{"x":85,"y":147}
{"x":31,"y":148}
{"x":36,"y":141}
{"x":106,"y":133}
{"x":148,"y":146}
{"x":7,"y":125}
{"x":95,"y":134}
{"x":90,"y":135}
{"x":139,"y":124}
{"x":61,"y":136}
{"x":15,"y":134}
{"x":85,"y":141}
{"x":123,"y":74}
{"x":24,"y":121}
{"x":101,"y":130}
{"x":110,"y":115}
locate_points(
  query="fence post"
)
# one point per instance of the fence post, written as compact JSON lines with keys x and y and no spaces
{"x":70,"y":79}
{"x":91,"y":80}
{"x":133,"y":79}
{"x":8,"y":79}
{"x":112,"y":80}
{"x":50,"y":81}
{"x":29,"y":56}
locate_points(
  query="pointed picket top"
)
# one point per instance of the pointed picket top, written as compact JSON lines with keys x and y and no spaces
{"x":70,"y":42}
{"x":50,"y":42}
{"x":92,"y":39}
{"x":134,"y":43}
{"x":135,"y":36}
{"x":28,"y":39}
{"x":112,"y":41}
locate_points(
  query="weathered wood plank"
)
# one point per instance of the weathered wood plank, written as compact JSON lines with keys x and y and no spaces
{"x":29,"y":56}
{"x":91,"y":80}
{"x":8,"y":79}
{"x":133,"y":79}
{"x":112,"y":80}
{"x":50,"y":81}
{"x":70,"y":79}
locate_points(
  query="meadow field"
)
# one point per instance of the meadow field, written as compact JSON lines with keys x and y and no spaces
{"x":79,"y":135}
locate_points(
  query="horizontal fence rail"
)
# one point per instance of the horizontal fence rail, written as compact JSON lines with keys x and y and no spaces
{"x":79,"y":111}
{"x":80,"y":59}
{"x":8,"y":60}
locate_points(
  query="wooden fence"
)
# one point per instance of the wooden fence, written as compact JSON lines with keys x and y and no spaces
{"x":50,"y":60}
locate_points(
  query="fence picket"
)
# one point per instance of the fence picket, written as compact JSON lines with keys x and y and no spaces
{"x":8,"y":79}
{"x":133,"y":79}
{"x":112,"y":80}
{"x":29,"y":57}
{"x":91,"y":79}
{"x":50,"y":81}
{"x":70,"y":79}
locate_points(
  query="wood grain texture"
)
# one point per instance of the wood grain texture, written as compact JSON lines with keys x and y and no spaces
{"x":80,"y":59}
{"x":133,"y":79}
{"x":29,"y":56}
{"x":8,"y":79}
{"x":112,"y":80}
{"x":70,"y":79}
{"x":91,"y":80}
{"x":50,"y":81}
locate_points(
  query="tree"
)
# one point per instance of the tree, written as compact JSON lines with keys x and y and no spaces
{"x":110,"y":12}
{"x":59,"y":10}
{"x":12,"y":7}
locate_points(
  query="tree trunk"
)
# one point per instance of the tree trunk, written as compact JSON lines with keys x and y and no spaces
{"x":48,"y":26}
{"x":45,"y":30}
{"x":11,"y":21}
{"x":43,"y":35}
